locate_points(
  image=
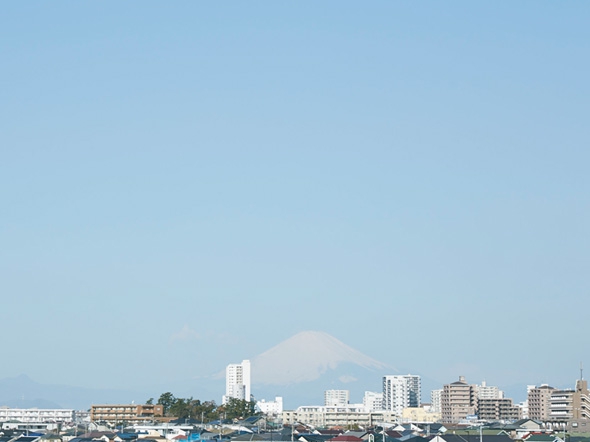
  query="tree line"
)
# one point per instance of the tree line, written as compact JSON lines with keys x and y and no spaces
{"x":184,"y":408}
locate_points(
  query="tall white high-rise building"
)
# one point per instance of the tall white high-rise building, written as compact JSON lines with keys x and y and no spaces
{"x":401,"y":391}
{"x":237,"y":381}
{"x":334,"y":398}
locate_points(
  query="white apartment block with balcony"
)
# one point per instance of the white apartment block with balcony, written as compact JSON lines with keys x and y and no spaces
{"x":485,"y":391}
{"x":348,"y":416}
{"x":237,"y":381}
{"x":401,"y":391}
{"x":335,"y":398}
{"x":373,"y":401}
{"x":271,"y":408}
{"x":36,"y":415}
{"x":435,"y":400}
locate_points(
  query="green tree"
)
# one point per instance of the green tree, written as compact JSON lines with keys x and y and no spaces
{"x":238,"y":409}
{"x":150,"y":401}
{"x":166,"y":400}
{"x":206,"y":411}
{"x":181,"y":408}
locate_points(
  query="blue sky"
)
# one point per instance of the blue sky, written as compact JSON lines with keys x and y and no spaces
{"x":197,"y":181}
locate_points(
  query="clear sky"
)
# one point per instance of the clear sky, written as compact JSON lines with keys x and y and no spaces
{"x":193,"y":182}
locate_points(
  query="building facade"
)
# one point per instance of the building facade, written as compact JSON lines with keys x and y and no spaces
{"x":125,"y":413}
{"x":485,"y":391}
{"x":373,"y":401}
{"x":271,"y":408}
{"x":351,"y":416}
{"x":539,"y":402}
{"x":558,"y":406}
{"x":401,"y":391}
{"x":36,"y":415}
{"x":334,"y":398}
{"x":458,"y":401}
{"x":435,"y":398}
{"x":237,"y":381}
{"x":499,"y":409}
{"x":420,"y":415}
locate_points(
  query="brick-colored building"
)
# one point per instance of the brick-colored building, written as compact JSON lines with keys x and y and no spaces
{"x":126,"y":413}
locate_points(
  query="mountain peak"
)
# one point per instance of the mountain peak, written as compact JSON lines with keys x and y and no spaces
{"x":305,"y":357}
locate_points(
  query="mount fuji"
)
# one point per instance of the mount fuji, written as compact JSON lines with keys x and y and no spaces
{"x":303,"y":366}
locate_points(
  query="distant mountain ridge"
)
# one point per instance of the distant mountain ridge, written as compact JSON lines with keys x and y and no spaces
{"x":23,"y":392}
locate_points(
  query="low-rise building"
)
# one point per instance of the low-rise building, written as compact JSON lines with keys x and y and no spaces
{"x":36,"y":414}
{"x":125,"y":413}
{"x":271,"y":408}
{"x":420,"y":415}
{"x":345,"y":416}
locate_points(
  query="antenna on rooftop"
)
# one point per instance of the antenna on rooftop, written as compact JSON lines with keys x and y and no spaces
{"x":581,"y":371}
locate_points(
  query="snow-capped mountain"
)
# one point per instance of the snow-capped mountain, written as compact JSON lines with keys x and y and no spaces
{"x":307,"y":356}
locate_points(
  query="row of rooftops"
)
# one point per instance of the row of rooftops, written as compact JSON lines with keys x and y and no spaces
{"x":247,"y":430}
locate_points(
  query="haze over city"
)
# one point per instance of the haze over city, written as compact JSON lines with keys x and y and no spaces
{"x":187,"y":185}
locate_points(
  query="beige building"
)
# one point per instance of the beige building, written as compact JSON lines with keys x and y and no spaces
{"x":539,"y":399}
{"x":347,"y":417}
{"x":548,"y":404}
{"x":419,"y":415}
{"x":458,"y":400}
{"x":581,"y":401}
{"x":125,"y":413}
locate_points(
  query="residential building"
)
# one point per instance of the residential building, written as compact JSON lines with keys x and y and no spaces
{"x":435,"y":398}
{"x":420,"y":415}
{"x":581,"y":403}
{"x":336,"y":397}
{"x":373,"y":401}
{"x":237,"y":381}
{"x":271,"y":408}
{"x":401,"y":391}
{"x":125,"y":413}
{"x":570,"y":405}
{"x":498,"y":409}
{"x":539,"y":400}
{"x":561,"y":406}
{"x":458,"y":401}
{"x":485,"y":391}
{"x":346,"y":416}
{"x":36,"y":415}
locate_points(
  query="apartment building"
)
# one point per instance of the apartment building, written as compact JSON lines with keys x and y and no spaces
{"x":435,"y":400}
{"x":401,"y":391}
{"x":351,"y":416}
{"x":558,"y":406}
{"x":539,"y":402}
{"x":498,"y":409}
{"x":485,"y":391}
{"x":373,"y":401}
{"x":36,"y":415}
{"x":271,"y":408}
{"x":237,"y":381}
{"x":125,"y":413}
{"x":581,"y":400}
{"x":458,"y":401}
{"x":336,"y":397}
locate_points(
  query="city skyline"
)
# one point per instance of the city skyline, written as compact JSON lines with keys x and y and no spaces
{"x":235,"y":382}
